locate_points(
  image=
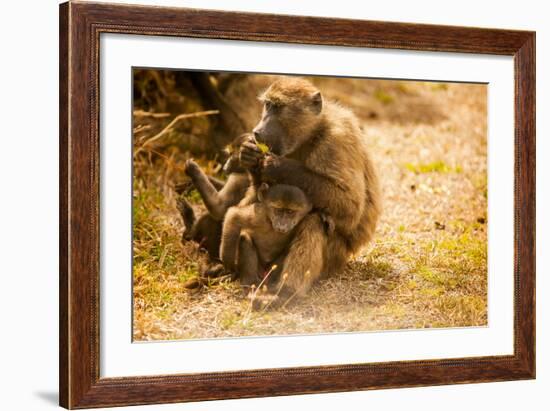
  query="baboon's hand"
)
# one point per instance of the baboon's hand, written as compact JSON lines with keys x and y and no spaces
{"x":249,"y":155}
{"x":191,"y":168}
{"x":270,"y":167}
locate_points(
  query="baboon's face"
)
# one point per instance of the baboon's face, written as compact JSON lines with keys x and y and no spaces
{"x":286,"y":206}
{"x":289,"y":116}
{"x":271,"y":129}
{"x":284,"y":219}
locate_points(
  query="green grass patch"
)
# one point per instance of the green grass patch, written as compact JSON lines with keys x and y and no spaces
{"x":465,"y":247}
{"x":479,"y":181}
{"x":404,"y":88}
{"x":454,"y":263}
{"x":160,"y":263}
{"x":380,"y":269}
{"x":434,"y":167}
{"x":190,"y":270}
{"x":383,"y":97}
{"x":438,"y":278}
{"x":194,"y":196}
{"x":463,"y":310}
{"x":229,"y":320}
{"x":372,"y":268}
{"x":439,"y":86}
{"x":151,"y":287}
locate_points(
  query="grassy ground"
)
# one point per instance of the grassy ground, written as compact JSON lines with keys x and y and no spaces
{"x":426,"y":268}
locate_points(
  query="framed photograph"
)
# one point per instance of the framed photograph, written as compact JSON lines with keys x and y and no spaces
{"x":260,"y":205}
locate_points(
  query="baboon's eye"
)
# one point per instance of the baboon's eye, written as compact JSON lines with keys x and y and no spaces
{"x":271,"y":107}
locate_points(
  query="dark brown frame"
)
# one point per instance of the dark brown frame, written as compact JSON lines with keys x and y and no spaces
{"x":80,"y":27}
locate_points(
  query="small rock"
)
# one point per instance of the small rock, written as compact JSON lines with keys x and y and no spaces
{"x":439,"y":226}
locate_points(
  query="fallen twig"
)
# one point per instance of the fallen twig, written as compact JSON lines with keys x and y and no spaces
{"x":172,"y":123}
{"x":141,"y":113}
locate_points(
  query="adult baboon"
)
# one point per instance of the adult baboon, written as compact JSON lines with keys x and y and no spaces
{"x":317,"y":146}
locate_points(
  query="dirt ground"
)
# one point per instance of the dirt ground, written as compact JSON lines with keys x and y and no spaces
{"x":427,"y":266}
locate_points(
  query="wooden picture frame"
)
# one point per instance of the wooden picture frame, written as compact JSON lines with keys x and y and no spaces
{"x":80,"y":27}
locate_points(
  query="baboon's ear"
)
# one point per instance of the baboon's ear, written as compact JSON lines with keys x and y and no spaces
{"x":261,"y":192}
{"x":317,"y":102}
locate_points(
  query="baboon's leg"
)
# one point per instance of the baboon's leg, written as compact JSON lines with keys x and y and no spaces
{"x":248,"y":263}
{"x":304,"y":262}
{"x":208,"y":192}
{"x":231,"y":233}
{"x":208,"y":232}
{"x":188,"y":216}
{"x":337,"y":255}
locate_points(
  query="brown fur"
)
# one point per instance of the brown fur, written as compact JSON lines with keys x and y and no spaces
{"x":319,"y":147}
{"x":254,"y":235}
{"x":217,"y":201}
{"x":218,"y":198}
{"x":204,"y":229}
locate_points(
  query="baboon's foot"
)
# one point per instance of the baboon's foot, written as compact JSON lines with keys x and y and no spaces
{"x":195,"y":284}
{"x":191,"y":168}
{"x":214,"y":271}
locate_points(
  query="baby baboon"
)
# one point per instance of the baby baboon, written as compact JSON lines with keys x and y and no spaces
{"x":318,"y":146}
{"x":217,"y":196}
{"x":232,"y":192}
{"x":254,"y":235}
{"x":204,"y":229}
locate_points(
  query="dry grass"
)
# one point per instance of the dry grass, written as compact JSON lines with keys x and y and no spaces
{"x":426,"y":268}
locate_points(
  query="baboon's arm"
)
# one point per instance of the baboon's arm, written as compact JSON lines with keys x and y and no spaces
{"x":310,"y":240}
{"x":211,"y":197}
{"x":232,"y":226}
{"x":248,"y":262}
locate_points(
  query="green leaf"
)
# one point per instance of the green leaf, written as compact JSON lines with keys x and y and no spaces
{"x":263,"y":147}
